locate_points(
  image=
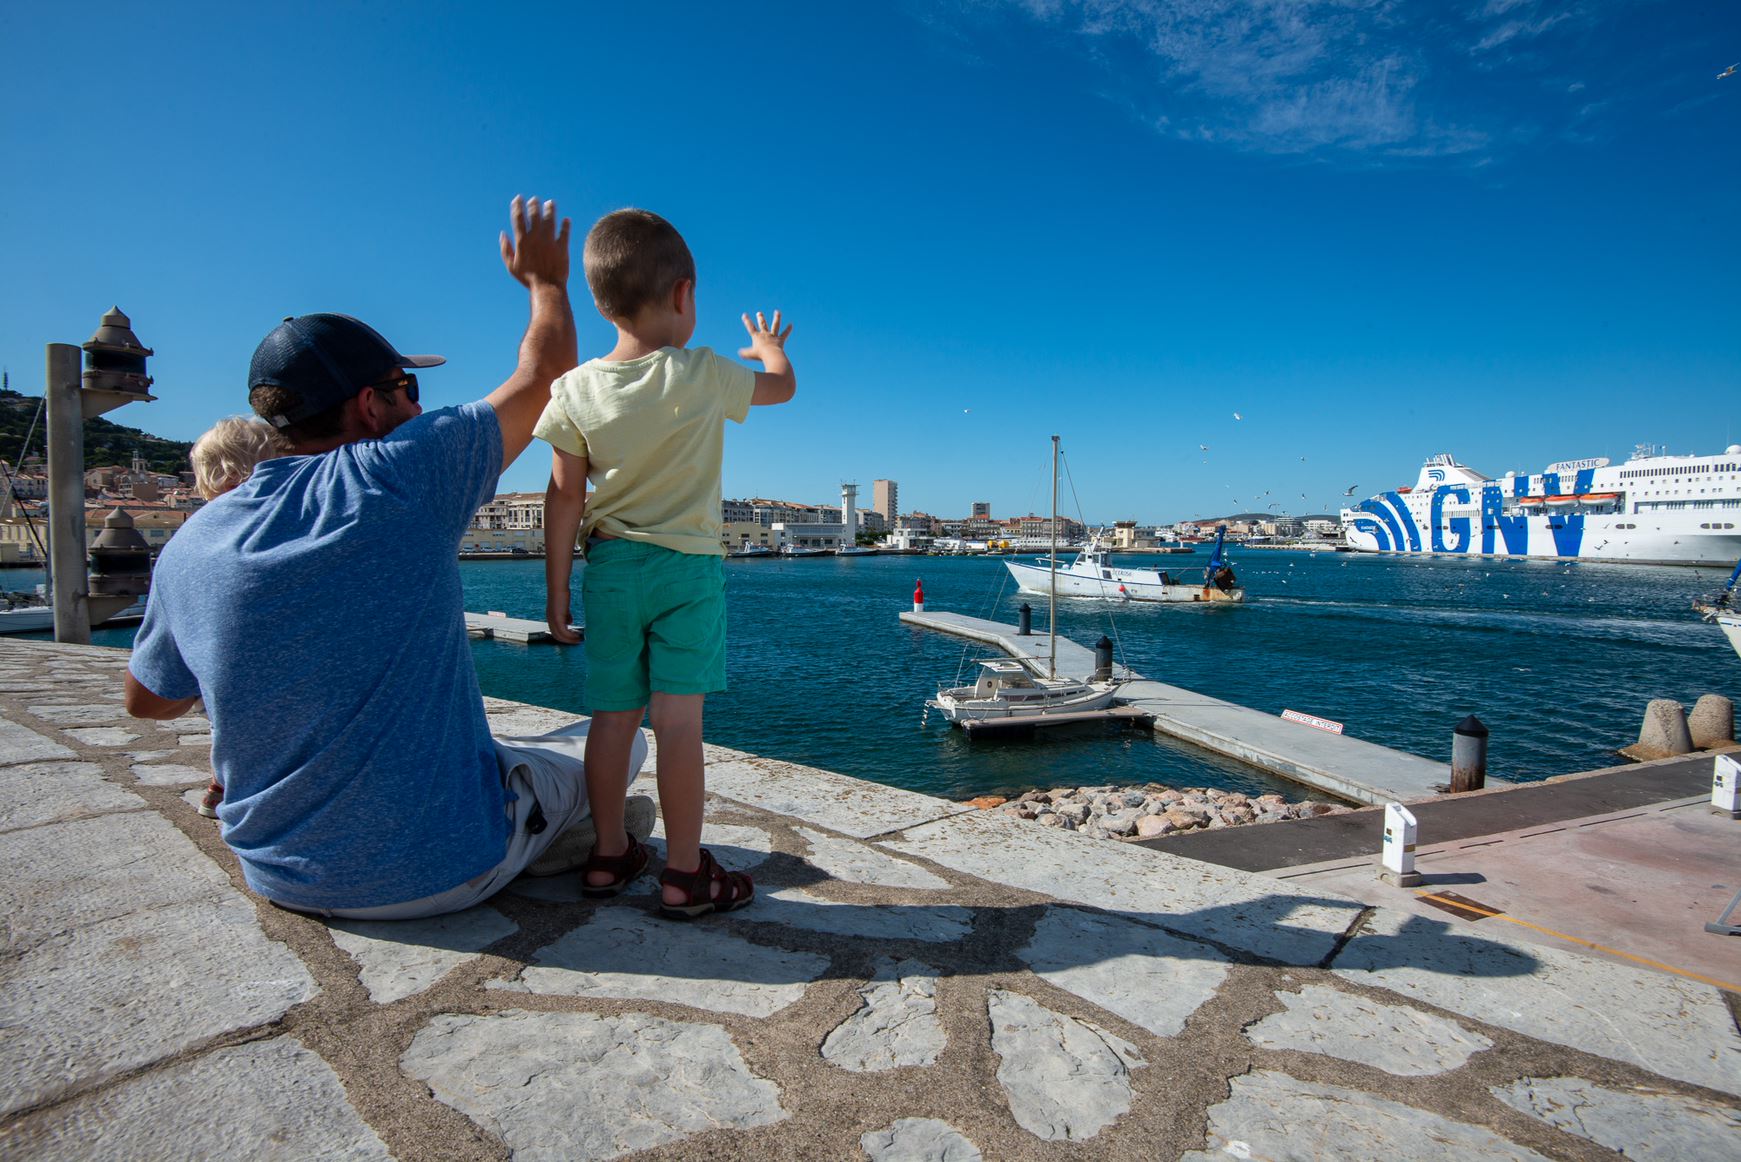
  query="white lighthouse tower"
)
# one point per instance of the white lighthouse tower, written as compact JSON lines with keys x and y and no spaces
{"x":848,"y":515}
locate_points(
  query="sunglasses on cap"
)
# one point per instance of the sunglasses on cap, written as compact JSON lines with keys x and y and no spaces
{"x":406,"y":383}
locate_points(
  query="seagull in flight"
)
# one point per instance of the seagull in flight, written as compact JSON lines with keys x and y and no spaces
{"x":1728,"y":72}
{"x":1349,"y":491}
{"x":1202,"y":447}
{"x":1237,"y":416}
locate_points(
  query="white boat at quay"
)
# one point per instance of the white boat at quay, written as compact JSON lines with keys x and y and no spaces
{"x":749,"y":550}
{"x":855,"y":551}
{"x":1090,"y":574}
{"x":1719,"y":609}
{"x":1652,"y":510}
{"x":1007,"y":688}
{"x":789,"y":549}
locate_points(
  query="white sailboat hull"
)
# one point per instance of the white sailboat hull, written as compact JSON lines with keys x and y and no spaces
{"x":959,"y":705}
{"x":1730,"y":624}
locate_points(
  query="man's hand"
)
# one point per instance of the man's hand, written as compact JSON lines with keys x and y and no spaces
{"x":767,"y":346}
{"x":537,"y":256}
{"x":766,"y":342}
{"x":538,"y":251}
{"x":557,"y":613}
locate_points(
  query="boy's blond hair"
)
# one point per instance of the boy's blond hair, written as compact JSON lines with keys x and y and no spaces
{"x":226,"y":455}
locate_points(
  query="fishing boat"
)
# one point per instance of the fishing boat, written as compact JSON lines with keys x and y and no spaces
{"x":1091,"y":574}
{"x":790,"y":549}
{"x":855,"y":551}
{"x":1012,"y":688}
{"x":748,"y":550}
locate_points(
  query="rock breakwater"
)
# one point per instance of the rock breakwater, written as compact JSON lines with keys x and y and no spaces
{"x":1151,"y":810}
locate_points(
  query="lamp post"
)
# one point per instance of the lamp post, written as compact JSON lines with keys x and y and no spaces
{"x":114,"y":375}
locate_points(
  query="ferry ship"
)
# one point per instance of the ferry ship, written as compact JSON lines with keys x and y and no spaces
{"x":1653,"y":509}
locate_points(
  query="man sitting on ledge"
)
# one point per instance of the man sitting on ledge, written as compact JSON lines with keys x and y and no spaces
{"x":317,"y":609}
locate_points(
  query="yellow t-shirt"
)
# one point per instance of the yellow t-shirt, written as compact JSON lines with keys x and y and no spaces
{"x":653,"y":433}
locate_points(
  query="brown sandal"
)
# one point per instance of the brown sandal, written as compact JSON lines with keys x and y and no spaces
{"x":624,"y":870}
{"x":735,"y":889}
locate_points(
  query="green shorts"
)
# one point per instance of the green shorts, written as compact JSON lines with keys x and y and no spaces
{"x":655,"y":620}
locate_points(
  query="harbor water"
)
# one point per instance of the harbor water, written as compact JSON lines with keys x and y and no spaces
{"x":1558,"y":659}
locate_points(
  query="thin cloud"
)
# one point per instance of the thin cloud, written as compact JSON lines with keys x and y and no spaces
{"x":1371,"y":77}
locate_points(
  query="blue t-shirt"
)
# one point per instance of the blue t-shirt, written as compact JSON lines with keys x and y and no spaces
{"x":317,"y":609}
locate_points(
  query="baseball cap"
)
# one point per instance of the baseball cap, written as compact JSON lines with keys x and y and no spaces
{"x":325,"y":359}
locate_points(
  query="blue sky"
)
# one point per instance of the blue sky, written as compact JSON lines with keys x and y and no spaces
{"x":1503,"y":228}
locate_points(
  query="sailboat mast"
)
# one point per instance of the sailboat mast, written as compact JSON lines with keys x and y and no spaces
{"x":1052,"y":588}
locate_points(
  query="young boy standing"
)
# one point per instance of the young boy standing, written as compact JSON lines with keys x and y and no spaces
{"x":645,"y":424}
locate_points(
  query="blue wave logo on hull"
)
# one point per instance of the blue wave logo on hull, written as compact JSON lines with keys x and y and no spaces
{"x":1394,"y":529}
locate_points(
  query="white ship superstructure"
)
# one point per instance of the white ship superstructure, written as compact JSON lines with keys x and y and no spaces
{"x":1653,"y":509}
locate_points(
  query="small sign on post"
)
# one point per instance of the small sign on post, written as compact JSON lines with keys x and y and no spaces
{"x":1726,"y":787}
{"x":1325,"y":724}
{"x":1399,"y":847}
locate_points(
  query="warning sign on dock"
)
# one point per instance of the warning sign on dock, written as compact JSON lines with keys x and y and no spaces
{"x":1312,"y":720}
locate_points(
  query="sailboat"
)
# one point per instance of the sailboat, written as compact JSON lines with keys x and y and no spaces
{"x":1011,"y":687}
{"x":1720,"y":610}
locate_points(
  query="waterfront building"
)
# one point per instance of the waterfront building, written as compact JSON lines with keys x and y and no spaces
{"x":735,"y":534}
{"x":886,"y":500}
{"x":511,"y":510}
{"x":735,"y":512}
{"x":981,"y":510}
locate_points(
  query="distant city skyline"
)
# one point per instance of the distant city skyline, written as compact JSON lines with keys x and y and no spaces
{"x":1219,"y":249}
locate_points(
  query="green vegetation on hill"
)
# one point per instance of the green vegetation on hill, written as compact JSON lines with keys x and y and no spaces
{"x":105,"y":443}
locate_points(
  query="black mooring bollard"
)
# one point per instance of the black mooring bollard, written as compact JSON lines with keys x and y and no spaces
{"x":1468,"y":755}
{"x":1103,"y":659}
{"x":1025,"y":620}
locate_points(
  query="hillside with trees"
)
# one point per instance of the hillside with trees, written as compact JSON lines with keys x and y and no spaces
{"x":106,"y":443}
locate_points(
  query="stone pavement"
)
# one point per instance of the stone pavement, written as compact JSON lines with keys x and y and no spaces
{"x":917,"y":981}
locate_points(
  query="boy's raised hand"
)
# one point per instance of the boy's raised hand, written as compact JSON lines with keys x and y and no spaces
{"x":765,"y":338}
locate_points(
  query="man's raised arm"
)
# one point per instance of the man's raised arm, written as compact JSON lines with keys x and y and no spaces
{"x":537,"y":256}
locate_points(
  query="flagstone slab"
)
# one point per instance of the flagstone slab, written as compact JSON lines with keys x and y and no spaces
{"x":934,"y":923}
{"x":919,"y":1140}
{"x":169,"y":774}
{"x":80,"y":713}
{"x":1146,"y":976}
{"x":1394,"y":1038}
{"x":859,"y":863}
{"x":555,"y":1087}
{"x":1252,"y":913}
{"x":63,"y":875}
{"x":1670,"y":1026}
{"x":1064,"y":1079}
{"x":397,"y":958}
{"x":196,"y":740}
{"x":628,"y":954}
{"x":849,"y":806}
{"x":265,"y":1099}
{"x":1654,"y":1127}
{"x":32,"y":794}
{"x":1278,"y":1118}
{"x":896,"y":1028}
{"x":101,"y":735}
{"x":102,"y":999}
{"x":20,"y":744}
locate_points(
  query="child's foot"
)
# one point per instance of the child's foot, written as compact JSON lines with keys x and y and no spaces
{"x":685,"y":895}
{"x":607,"y":875}
{"x":208,"y":806}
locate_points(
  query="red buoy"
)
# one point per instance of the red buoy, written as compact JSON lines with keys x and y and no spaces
{"x":919,"y":596}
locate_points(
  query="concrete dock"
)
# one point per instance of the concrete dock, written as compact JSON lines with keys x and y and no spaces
{"x":493,"y":626}
{"x":915,"y":981}
{"x":1349,"y":768}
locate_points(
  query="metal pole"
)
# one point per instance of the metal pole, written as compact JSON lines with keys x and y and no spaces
{"x":1468,"y":755}
{"x":66,"y":495}
{"x":1052,"y":589}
